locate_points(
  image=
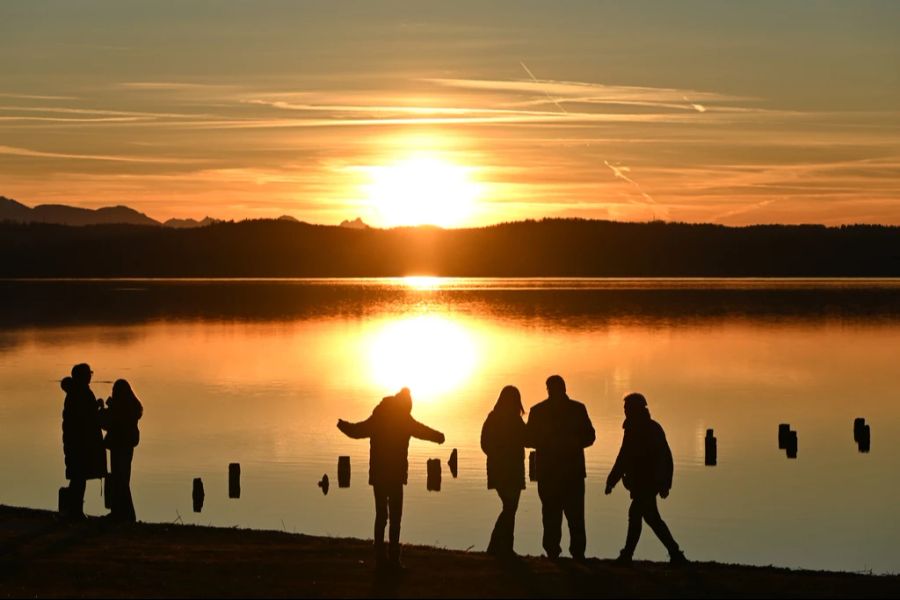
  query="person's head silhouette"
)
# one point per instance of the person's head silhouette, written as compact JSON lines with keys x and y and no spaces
{"x":81,"y":374}
{"x":556,"y":387}
{"x":636,"y":406}
{"x":510,"y":402}
{"x":403,"y":401}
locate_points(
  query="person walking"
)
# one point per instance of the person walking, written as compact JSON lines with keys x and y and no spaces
{"x":503,"y":441}
{"x":645,"y":466}
{"x":559,"y":430}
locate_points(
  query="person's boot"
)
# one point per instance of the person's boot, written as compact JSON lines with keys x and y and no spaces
{"x":394,"y":558}
{"x":677,"y":558}
{"x":381,"y":557}
{"x":624,"y":558}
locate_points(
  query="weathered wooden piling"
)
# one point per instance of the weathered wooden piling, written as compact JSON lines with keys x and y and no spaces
{"x":859,"y":424}
{"x":433,"y":483}
{"x":865,"y":439}
{"x":234,"y":480}
{"x":324,"y":484}
{"x":784,"y":432}
{"x":711,"y":448}
{"x":343,"y":471}
{"x":453,"y":463}
{"x":198,"y":494}
{"x":791,"y":444}
{"x":532,"y":466}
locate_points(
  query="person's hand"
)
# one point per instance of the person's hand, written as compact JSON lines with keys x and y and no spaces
{"x":609,"y":489}
{"x":664,"y":493}
{"x":441,"y":439}
{"x":341,"y":423}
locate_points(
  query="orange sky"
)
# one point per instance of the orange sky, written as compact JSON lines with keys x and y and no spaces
{"x":700,"y":111}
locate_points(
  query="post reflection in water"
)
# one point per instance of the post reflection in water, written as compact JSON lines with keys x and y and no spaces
{"x":259,"y":372}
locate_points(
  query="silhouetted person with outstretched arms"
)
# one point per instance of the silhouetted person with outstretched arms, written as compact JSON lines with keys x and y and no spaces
{"x":503,"y":440}
{"x":559,"y":430}
{"x":120,"y":420}
{"x":389,"y":429}
{"x":82,"y":438}
{"x":645,"y":466}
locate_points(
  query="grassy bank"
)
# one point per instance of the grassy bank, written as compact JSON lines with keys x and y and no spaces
{"x":39,"y":556}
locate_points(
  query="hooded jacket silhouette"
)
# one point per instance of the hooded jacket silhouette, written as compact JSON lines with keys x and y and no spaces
{"x":389,"y":429}
{"x":503,"y":441}
{"x":120,"y":420}
{"x":644,"y":463}
{"x":82,"y":439}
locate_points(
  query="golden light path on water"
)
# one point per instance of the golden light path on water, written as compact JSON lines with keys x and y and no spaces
{"x":429,"y":353}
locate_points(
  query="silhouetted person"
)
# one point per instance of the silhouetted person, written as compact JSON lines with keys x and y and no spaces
{"x":120,"y":420}
{"x":82,"y":438}
{"x":503,"y":440}
{"x":389,"y":429}
{"x":645,"y":466}
{"x":559,"y":430}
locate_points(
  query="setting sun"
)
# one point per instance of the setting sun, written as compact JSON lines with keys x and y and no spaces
{"x":422,"y":190}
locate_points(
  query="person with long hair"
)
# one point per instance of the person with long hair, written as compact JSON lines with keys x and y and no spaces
{"x":120,"y":420}
{"x":503,"y":441}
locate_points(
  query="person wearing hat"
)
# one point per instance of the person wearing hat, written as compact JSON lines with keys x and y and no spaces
{"x":644,"y":464}
{"x":82,"y":439}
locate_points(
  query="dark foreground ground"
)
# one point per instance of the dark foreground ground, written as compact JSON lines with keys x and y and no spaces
{"x":41,"y":557}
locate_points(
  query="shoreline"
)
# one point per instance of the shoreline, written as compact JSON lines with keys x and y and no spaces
{"x":41,"y":556}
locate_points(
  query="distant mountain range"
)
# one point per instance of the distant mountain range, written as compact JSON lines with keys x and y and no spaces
{"x":60,"y":214}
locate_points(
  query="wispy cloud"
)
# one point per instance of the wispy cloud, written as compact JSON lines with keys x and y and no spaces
{"x":27,"y":152}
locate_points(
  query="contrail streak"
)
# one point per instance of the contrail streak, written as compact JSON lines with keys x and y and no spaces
{"x":546,"y":93}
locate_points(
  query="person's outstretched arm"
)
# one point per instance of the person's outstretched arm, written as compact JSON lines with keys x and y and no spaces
{"x":357,"y":431}
{"x":423,"y":432}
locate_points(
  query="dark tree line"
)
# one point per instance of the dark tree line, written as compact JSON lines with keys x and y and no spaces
{"x":551,"y":247}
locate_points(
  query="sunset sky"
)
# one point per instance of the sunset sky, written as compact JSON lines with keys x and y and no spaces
{"x":458,"y":113}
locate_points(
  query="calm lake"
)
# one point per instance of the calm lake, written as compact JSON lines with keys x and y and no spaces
{"x":258,"y":372}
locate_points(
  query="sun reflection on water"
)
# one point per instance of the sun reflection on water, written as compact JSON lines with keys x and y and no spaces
{"x":430,"y":354}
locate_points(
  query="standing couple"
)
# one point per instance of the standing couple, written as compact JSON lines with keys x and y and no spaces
{"x":84,"y":416}
{"x":559,"y":430}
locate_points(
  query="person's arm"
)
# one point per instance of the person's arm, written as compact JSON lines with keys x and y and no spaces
{"x":532,"y":431}
{"x":618,"y":470}
{"x":587,"y":434}
{"x":486,"y":437}
{"x":357,"y":431}
{"x":666,"y":466}
{"x":423,"y":432}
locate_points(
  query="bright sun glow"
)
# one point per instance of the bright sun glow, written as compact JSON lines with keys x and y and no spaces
{"x":422,"y":190}
{"x":431,"y":355}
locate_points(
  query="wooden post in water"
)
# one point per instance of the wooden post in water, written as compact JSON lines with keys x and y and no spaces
{"x":324,"y":484}
{"x":859,"y":425}
{"x":711,"y":449}
{"x":453,"y":463}
{"x":791,"y":444}
{"x":234,"y":480}
{"x":198,"y":494}
{"x":532,"y":466}
{"x":784,"y":432}
{"x":343,"y":471}
{"x":865,"y":439}
{"x":433,"y":484}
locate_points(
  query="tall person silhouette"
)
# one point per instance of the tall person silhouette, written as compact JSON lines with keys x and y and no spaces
{"x":389,"y":428}
{"x":503,"y":441}
{"x":559,"y":430}
{"x":120,"y":420}
{"x":645,"y":465}
{"x":82,"y":438}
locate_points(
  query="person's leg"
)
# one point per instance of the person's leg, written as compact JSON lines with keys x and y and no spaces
{"x":574,"y":510}
{"x":381,"y":517}
{"x":123,"y":485}
{"x":495,"y":544}
{"x":635,"y":524}
{"x":504,"y":530}
{"x":551,"y":515}
{"x":395,"y":503}
{"x":659,"y":527}
{"x":76,"y":497}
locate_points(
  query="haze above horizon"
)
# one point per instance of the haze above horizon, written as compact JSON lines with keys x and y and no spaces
{"x":461,"y":114}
